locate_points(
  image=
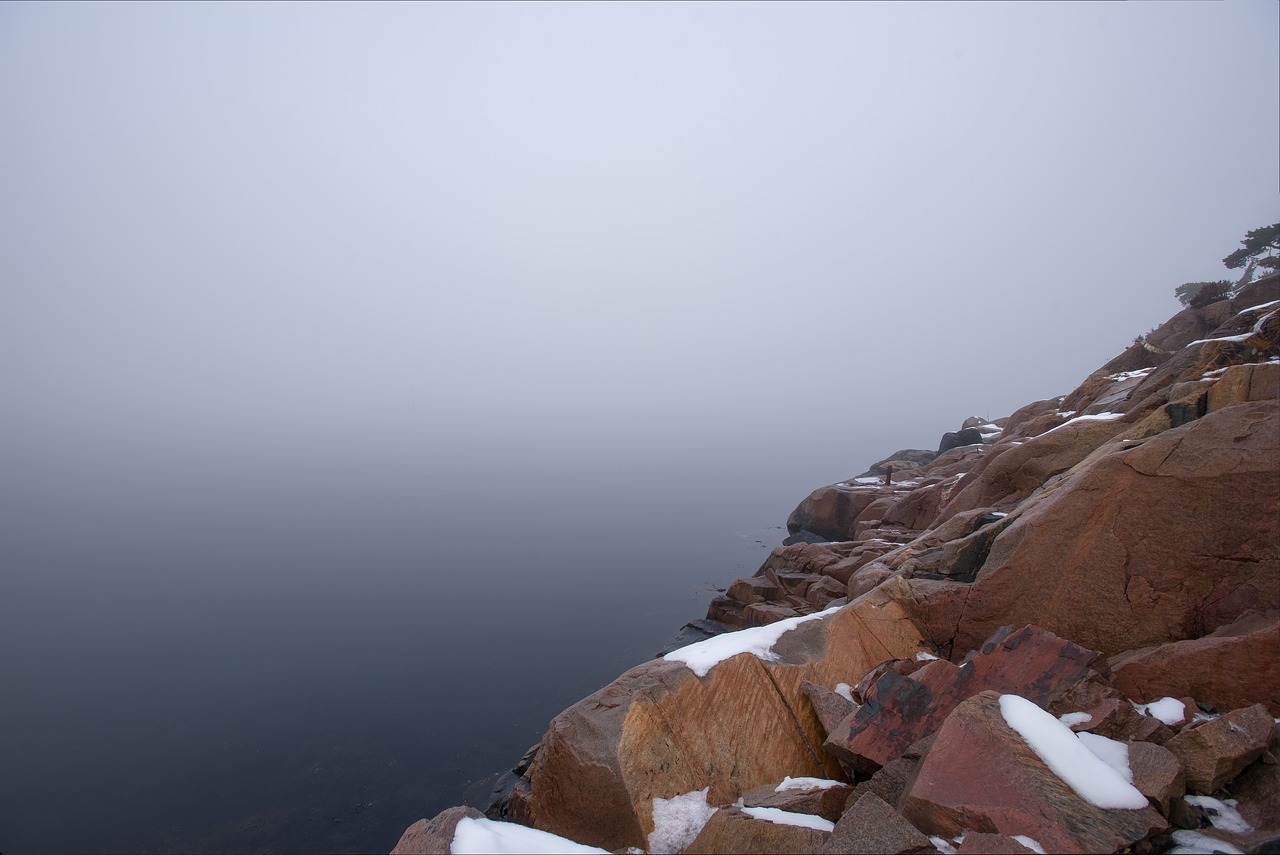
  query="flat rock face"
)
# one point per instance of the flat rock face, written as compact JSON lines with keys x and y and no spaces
{"x":660,"y":731}
{"x":871,"y":826}
{"x":826,"y":802}
{"x":434,"y":836}
{"x":1143,"y":544}
{"x":979,"y":774}
{"x":731,"y":831}
{"x":1235,"y":666}
{"x":899,"y":710}
{"x":1157,"y":773}
{"x":1215,"y":752}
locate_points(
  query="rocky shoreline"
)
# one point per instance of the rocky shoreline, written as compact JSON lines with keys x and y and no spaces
{"x":961,"y":650}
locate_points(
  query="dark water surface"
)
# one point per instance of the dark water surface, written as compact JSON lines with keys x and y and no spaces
{"x":307,"y":652}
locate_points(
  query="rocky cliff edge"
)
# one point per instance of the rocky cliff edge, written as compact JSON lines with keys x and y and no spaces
{"x":960,"y":650}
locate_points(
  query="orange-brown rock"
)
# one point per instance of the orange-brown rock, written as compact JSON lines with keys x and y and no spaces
{"x":1216,"y":751}
{"x":980,"y":843}
{"x":1011,"y":476}
{"x":1234,"y":666}
{"x":980,"y":774}
{"x":659,"y":730}
{"x":831,"y":511}
{"x":1157,"y":773}
{"x":826,"y":802}
{"x":730,"y":830}
{"x":1145,"y":543}
{"x":434,"y":836}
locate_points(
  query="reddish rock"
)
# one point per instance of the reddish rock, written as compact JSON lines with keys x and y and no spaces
{"x":659,"y":730}
{"x":1115,"y":718}
{"x":870,"y":827}
{"x":1146,"y":543}
{"x":979,"y":843}
{"x":1218,"y":750}
{"x":897,"y":710}
{"x":823,"y":591}
{"x":1258,"y":792}
{"x":831,"y":511}
{"x":754,"y":590}
{"x":826,"y":802}
{"x":1236,"y":665}
{"x":830,"y":706}
{"x":981,"y":775}
{"x":731,"y":830}
{"x":762,"y":614}
{"x":434,"y":836}
{"x":1157,"y":773}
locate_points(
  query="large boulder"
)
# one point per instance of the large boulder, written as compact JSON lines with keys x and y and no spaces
{"x":1234,"y":666}
{"x":660,"y":730}
{"x":831,"y":511}
{"x":1144,"y":543}
{"x":981,"y":775}
{"x":870,"y":826}
{"x":900,"y":710}
{"x":1216,"y":751}
{"x":731,"y":829}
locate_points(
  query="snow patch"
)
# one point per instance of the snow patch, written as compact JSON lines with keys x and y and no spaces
{"x":1168,"y":710}
{"x":1096,"y":417}
{"x":943,"y":845}
{"x":1068,"y":756}
{"x":477,"y":836}
{"x":1195,"y":843}
{"x":790,"y":783}
{"x":1074,"y":718}
{"x":1129,"y":375}
{"x":1029,"y":842}
{"x":1224,"y":815}
{"x":677,"y":821}
{"x":786,"y":817}
{"x":924,"y":657}
{"x":1256,"y":329}
{"x":704,"y":655}
{"x":845,"y":691}
{"x":1114,"y":754}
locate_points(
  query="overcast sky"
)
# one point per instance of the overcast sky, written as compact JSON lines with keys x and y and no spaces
{"x":331,"y":223}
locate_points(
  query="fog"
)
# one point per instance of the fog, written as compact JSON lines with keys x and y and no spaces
{"x":286,"y":226}
{"x":338,"y":337}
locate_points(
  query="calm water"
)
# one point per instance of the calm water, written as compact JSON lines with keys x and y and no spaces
{"x":308,"y":652}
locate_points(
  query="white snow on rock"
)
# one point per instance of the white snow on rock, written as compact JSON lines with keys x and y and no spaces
{"x":845,"y":691}
{"x":1256,"y":328}
{"x":790,"y":783}
{"x":925,"y":657}
{"x":1128,"y":375}
{"x":786,"y":817}
{"x":1195,"y":843}
{"x":1029,"y":842}
{"x":943,"y":845}
{"x":1074,"y":718}
{"x":677,"y":821}
{"x":1114,"y":754}
{"x":702,"y":656}
{"x":480,"y":836}
{"x":1096,"y":417}
{"x":1068,"y":757}
{"x":1168,"y":710}
{"x":1222,"y":814}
